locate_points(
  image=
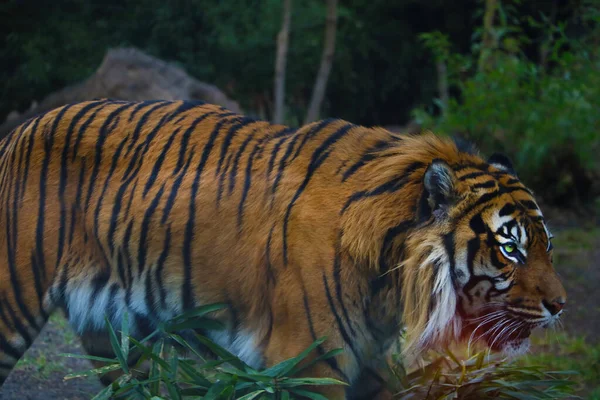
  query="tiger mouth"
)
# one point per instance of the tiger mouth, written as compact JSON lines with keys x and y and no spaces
{"x":499,"y":341}
{"x":500,"y":335}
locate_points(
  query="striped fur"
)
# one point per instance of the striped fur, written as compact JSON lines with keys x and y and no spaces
{"x":332,"y":229}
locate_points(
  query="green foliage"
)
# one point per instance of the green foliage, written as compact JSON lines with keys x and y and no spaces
{"x":178,"y":370}
{"x":447,"y":376}
{"x":544,"y":115}
{"x":560,"y":351}
{"x":379,"y":69}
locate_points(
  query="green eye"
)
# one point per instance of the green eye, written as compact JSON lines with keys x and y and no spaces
{"x":509,"y":248}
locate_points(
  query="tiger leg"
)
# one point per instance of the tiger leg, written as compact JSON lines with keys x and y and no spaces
{"x":283,"y":345}
{"x":20,"y":324}
{"x":370,"y":385}
{"x":294,"y":328}
{"x":97,"y":343}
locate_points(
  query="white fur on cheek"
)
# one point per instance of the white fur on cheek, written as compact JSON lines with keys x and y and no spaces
{"x":442,"y":320}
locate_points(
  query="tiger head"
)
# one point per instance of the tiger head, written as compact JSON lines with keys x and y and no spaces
{"x":481,"y":266}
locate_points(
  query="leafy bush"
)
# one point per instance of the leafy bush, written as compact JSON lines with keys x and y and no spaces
{"x":178,"y":370}
{"x":177,"y":374}
{"x":544,"y":115}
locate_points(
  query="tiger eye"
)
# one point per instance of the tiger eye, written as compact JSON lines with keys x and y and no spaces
{"x":509,"y":247}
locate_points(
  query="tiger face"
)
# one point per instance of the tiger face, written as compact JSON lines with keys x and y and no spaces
{"x":499,"y":252}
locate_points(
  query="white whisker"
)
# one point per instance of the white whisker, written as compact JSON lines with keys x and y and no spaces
{"x":485,"y":321}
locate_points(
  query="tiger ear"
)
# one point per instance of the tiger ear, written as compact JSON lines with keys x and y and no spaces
{"x":440,"y":185}
{"x":502,"y":162}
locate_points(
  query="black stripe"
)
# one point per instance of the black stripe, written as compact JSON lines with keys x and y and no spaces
{"x":64,"y":176}
{"x":3,"y":317}
{"x":337,"y":270}
{"x":185,"y":139}
{"x":238,"y":156}
{"x":117,"y":204}
{"x":270,"y":271}
{"x":121,"y":264}
{"x":471,"y":175}
{"x":99,"y":282}
{"x":158,"y":271}
{"x":11,"y":244}
{"x":318,"y":158}
{"x":159,"y":162}
{"x":32,"y":135}
{"x":248,"y":181}
{"x":318,"y":127}
{"x":132,"y":193}
{"x":19,"y":327}
{"x":142,"y":148}
{"x":391,"y":234}
{"x":143,"y":243}
{"x":282,"y":165}
{"x":128,"y":264}
{"x":332,"y":362}
{"x":141,"y":105}
{"x":368,"y":156}
{"x":390,"y":186}
{"x":175,"y":188}
{"x":484,"y":185}
{"x":482,"y":200}
{"x":39,"y":269}
{"x":450,"y":251}
{"x":142,"y":123}
{"x":83,"y":129}
{"x":75,"y":207}
{"x":167,"y":117}
{"x":107,"y":127}
{"x":507,"y":209}
{"x":529,"y":204}
{"x":149,"y":297}
{"x":7,"y":348}
{"x":221,"y":184}
{"x":227,"y":141}
{"x":472,"y":249}
{"x":113,"y":167}
{"x":274,"y":153}
{"x":349,"y":340}
{"x":187,"y":295}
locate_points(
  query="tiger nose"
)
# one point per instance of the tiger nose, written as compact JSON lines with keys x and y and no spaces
{"x":555,"y":306}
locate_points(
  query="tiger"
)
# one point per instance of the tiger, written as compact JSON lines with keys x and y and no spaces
{"x":152,"y":208}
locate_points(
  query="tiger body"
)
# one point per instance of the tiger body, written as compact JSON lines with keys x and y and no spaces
{"x":156,"y":207}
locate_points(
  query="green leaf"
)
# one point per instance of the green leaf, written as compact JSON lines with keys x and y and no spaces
{"x":116,"y":347}
{"x":293,"y":382}
{"x":125,"y":335}
{"x":89,"y":357}
{"x":218,"y":389}
{"x":95,"y":371}
{"x":198,"y":312}
{"x":252,"y":395}
{"x":329,"y":354}
{"x":310,"y":395}
{"x":284,"y":367}
{"x":195,"y":324}
{"x":146,"y":351}
{"x":223,"y":353}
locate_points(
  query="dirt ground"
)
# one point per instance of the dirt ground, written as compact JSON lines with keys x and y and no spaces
{"x":40,"y":374}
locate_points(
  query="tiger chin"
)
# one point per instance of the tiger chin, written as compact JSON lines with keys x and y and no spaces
{"x":333,"y":229}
